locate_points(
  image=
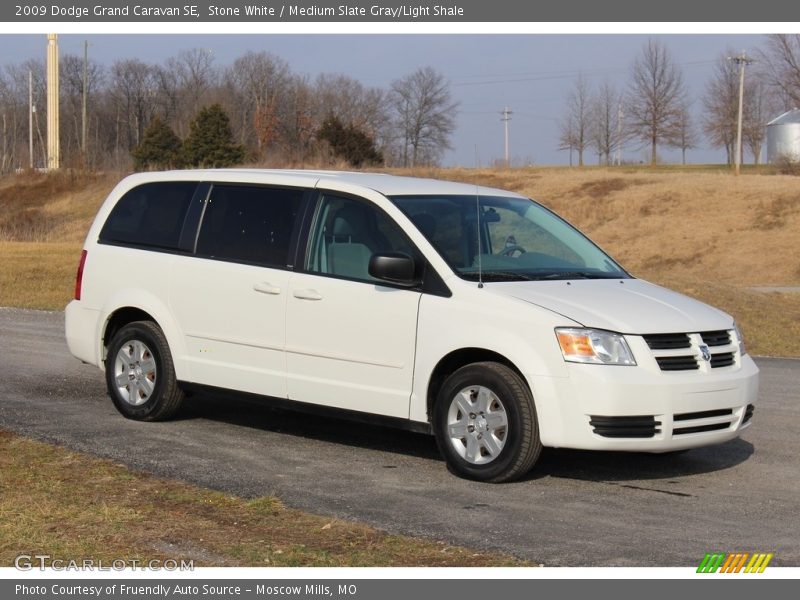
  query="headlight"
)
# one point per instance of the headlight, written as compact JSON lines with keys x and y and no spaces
{"x":740,"y":339}
{"x":594,"y":346}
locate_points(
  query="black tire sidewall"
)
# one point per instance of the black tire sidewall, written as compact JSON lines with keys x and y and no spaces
{"x":474,"y":375}
{"x":140,"y":332}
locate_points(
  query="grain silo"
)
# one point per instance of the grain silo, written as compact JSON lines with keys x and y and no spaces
{"x":783,"y":137}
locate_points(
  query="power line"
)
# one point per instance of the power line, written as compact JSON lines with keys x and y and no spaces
{"x":519,"y":114}
{"x":553,"y":75}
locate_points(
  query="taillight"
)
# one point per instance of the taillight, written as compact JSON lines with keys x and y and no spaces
{"x":79,"y":276}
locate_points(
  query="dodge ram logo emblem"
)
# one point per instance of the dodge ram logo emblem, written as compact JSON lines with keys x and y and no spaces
{"x":705,"y":353}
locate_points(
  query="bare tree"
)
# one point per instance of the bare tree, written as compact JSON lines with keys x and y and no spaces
{"x":574,"y":130}
{"x":193,"y":75}
{"x":258,"y":82}
{"x":133,"y":91}
{"x":354,"y":104}
{"x":606,"y":131}
{"x":683,"y":134}
{"x":654,"y":97}
{"x":14,"y":108}
{"x":781,"y":66}
{"x":15,"y":113}
{"x":424,"y":115}
{"x":567,"y":135}
{"x":721,"y":105}
{"x":296,"y":125}
{"x":759,"y":105}
{"x":71,"y":75}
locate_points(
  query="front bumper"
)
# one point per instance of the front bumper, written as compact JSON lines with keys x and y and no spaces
{"x":600,"y":407}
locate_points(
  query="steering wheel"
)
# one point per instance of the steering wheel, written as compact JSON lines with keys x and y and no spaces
{"x":510,"y":250}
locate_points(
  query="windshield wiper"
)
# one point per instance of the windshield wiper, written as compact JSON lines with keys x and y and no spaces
{"x":496,"y":276}
{"x":578,"y":275}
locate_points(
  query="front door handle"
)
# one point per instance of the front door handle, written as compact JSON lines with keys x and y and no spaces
{"x":308,"y":294}
{"x":267,"y":288}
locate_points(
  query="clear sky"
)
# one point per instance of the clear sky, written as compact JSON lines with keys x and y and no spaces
{"x":531,"y":74}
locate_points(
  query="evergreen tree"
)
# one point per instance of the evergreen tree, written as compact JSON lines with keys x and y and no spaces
{"x":349,"y":143}
{"x":210,"y":142}
{"x":160,"y":148}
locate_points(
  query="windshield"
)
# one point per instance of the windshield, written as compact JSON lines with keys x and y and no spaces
{"x":517,"y":239}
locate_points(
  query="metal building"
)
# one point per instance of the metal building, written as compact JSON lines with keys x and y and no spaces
{"x":783,"y":137}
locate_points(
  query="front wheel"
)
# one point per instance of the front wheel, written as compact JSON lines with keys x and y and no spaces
{"x":485,"y":423}
{"x":140,"y":374}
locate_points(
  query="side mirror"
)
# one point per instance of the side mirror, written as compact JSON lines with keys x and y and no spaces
{"x":394,"y":267}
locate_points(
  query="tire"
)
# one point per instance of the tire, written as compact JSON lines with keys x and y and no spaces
{"x":140,"y":374}
{"x":502,"y":447}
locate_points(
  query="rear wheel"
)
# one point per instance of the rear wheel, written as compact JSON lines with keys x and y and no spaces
{"x":140,"y":374}
{"x":485,"y":423}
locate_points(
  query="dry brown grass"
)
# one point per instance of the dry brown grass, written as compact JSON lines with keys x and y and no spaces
{"x":696,"y":229}
{"x":72,"y":506}
{"x":673,"y":224}
{"x":38,"y":274}
{"x":700,"y":231}
{"x":770,"y":322}
{"x":45,"y":207}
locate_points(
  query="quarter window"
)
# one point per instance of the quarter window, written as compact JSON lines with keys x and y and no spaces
{"x":150,"y":215}
{"x":249,"y":224}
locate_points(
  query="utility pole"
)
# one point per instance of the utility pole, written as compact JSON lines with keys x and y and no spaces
{"x":83,"y":98}
{"x":506,"y":118}
{"x":742,"y":61}
{"x":618,"y":151}
{"x":31,"y":110}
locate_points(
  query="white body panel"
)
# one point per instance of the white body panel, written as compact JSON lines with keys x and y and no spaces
{"x":370,"y":348}
{"x":623,"y":305}
{"x":233,"y":319}
{"x":351,"y":344}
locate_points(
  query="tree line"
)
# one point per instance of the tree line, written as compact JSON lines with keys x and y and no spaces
{"x":264,"y":113}
{"x":655,"y":110}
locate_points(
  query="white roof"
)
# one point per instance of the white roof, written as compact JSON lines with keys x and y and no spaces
{"x":790,"y":116}
{"x":388,"y":185}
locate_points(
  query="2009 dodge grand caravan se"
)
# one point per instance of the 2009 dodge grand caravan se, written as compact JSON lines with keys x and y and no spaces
{"x":472,"y":313}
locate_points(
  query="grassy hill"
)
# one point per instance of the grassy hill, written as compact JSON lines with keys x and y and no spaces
{"x":700,"y":230}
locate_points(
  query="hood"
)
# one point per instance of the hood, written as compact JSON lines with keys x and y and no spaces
{"x":623,"y":305}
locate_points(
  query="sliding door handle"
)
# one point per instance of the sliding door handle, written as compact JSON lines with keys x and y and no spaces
{"x":308,"y":294}
{"x":267,"y":288}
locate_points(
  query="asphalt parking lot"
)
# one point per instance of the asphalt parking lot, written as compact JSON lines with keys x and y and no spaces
{"x":574,"y":509}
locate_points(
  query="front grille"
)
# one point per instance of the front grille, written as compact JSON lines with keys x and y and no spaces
{"x":677,"y":363}
{"x":625,"y":427}
{"x":666,"y":348}
{"x":723,"y":412}
{"x":667,"y":341}
{"x":647,"y":426}
{"x":716,"y":338}
{"x":700,"y":428}
{"x":724,"y":359}
{"x":685,"y":423}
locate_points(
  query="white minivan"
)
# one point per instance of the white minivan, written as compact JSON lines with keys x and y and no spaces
{"x":471,"y":313}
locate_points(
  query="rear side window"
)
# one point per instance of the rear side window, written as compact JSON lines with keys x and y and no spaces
{"x":249,"y":224}
{"x":150,"y":215}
